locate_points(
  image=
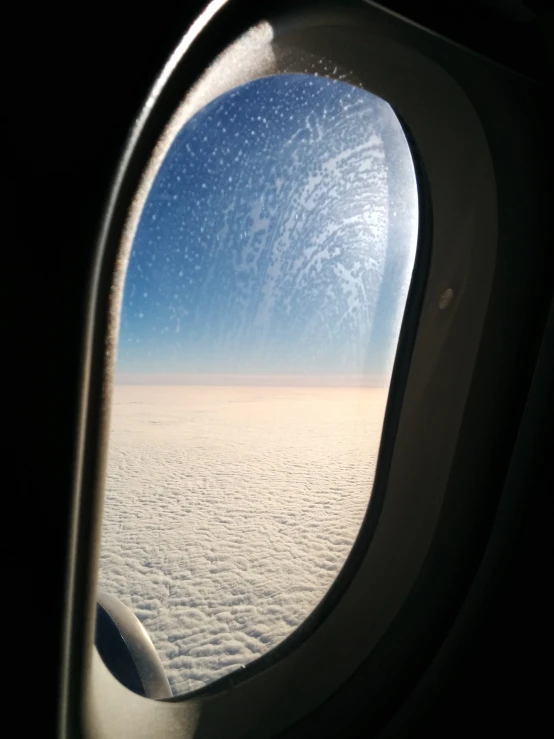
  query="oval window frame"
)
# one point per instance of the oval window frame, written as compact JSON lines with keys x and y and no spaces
{"x":445,"y":345}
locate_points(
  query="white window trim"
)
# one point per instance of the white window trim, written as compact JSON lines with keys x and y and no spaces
{"x":461,"y":186}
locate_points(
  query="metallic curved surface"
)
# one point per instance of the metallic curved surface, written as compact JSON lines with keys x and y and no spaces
{"x":127,"y":650}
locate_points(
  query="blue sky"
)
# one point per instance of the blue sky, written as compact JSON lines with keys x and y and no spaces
{"x":278,"y":238}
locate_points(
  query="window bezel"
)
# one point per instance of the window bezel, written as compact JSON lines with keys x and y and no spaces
{"x":298,"y":682}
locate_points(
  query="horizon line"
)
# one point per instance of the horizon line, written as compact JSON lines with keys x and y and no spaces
{"x":229,"y":380}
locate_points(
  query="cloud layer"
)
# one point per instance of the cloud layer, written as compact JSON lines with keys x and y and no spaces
{"x":229,"y":512}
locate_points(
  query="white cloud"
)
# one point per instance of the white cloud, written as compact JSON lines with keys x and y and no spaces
{"x":229,"y":512}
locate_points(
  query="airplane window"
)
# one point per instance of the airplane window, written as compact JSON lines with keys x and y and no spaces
{"x":261,"y":312}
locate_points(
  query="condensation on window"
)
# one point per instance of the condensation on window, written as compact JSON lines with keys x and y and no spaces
{"x":261,"y":311}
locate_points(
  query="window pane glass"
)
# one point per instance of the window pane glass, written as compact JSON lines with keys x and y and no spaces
{"x":262,"y":307}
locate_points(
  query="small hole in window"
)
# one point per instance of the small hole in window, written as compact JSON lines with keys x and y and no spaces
{"x":261,"y":313}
